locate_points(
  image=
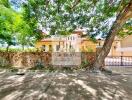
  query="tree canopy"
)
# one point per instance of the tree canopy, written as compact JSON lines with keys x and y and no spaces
{"x":63,"y":16}
{"x":7,"y":18}
{"x":28,"y":18}
{"x":12,"y":24}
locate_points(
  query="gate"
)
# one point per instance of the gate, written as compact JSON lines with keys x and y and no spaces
{"x":121,"y":65}
{"x":118,"y":61}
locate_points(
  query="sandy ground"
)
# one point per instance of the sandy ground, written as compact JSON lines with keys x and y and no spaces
{"x":64,"y":86}
{"x":120,"y":69}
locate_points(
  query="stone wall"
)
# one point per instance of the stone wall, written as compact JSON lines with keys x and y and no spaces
{"x":31,"y":59}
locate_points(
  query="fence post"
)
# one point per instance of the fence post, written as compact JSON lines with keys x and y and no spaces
{"x":121,"y":58}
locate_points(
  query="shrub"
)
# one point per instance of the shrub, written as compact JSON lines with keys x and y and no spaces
{"x":89,"y":50}
{"x":84,"y":63}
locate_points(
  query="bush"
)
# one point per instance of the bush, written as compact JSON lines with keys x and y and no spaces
{"x":85,"y":63}
{"x":89,"y":50}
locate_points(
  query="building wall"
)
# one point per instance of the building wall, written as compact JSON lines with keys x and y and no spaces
{"x":120,"y":47}
{"x":123,"y":46}
{"x":88,"y":46}
{"x":127,"y":42}
{"x":65,"y":43}
{"x":49,"y":45}
{"x":39,"y":44}
{"x":71,"y":43}
{"x":115,"y":45}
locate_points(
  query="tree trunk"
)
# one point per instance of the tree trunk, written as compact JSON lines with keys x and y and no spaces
{"x":122,"y":17}
{"x":7,"y":48}
{"x":23,"y":47}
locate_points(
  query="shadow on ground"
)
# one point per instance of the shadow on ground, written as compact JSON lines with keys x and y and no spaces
{"x":64,"y":86}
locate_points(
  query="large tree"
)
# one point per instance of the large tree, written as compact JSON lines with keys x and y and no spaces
{"x":7,"y":17}
{"x":124,"y":15}
{"x":12,"y":24}
{"x":63,"y":16}
{"x":105,"y":17}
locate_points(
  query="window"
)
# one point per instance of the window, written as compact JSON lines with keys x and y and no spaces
{"x":50,"y":47}
{"x":73,"y":38}
{"x":70,"y":46}
{"x":43,"y":47}
{"x":57,"y":47}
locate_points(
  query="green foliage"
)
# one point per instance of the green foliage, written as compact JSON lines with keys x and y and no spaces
{"x":6,"y":24}
{"x":89,"y":50}
{"x":5,"y":3}
{"x":13,"y":24}
{"x":31,"y":19}
{"x":85,"y":63}
{"x":127,"y":29}
{"x":57,"y":17}
{"x":93,"y":39}
{"x":63,"y":16}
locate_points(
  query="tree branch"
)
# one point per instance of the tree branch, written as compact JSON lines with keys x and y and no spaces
{"x":75,"y":4}
{"x":126,"y":13}
{"x":122,"y":17}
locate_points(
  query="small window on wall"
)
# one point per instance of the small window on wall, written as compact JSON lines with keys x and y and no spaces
{"x":73,"y":38}
{"x":70,"y":46}
{"x":57,"y":47}
{"x":43,"y":47}
{"x":50,"y":47}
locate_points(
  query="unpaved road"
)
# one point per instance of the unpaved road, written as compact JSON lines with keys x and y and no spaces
{"x":64,"y":86}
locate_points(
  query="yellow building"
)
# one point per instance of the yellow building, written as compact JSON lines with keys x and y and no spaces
{"x":49,"y":45}
{"x":70,"y":43}
{"x":120,"y":46}
{"x":87,"y":45}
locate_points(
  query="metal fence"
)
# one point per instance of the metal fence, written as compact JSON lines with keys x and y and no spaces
{"x":118,"y":61}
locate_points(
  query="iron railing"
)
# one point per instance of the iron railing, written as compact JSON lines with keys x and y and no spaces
{"x":118,"y":61}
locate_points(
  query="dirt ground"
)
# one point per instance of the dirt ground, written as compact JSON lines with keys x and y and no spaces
{"x":80,"y":85}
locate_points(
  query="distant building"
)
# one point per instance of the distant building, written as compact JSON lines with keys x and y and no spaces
{"x":120,"y":46}
{"x":67,"y":43}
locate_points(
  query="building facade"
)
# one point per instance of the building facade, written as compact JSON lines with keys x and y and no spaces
{"x":120,"y":46}
{"x":68,"y":43}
